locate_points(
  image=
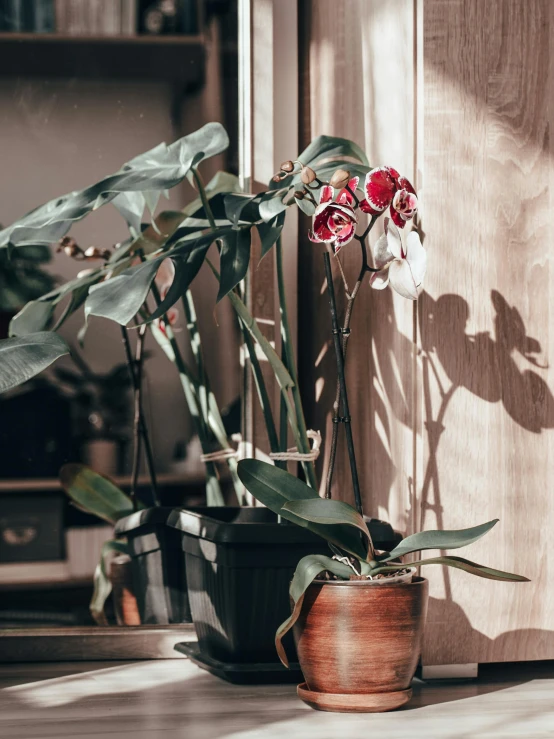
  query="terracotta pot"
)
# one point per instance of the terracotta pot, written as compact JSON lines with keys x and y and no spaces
{"x":358,"y":644}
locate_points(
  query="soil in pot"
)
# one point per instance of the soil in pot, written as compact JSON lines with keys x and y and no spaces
{"x":158,"y":568}
{"x":358,"y":643}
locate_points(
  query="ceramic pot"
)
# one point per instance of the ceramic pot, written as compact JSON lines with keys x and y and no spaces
{"x":358,"y":644}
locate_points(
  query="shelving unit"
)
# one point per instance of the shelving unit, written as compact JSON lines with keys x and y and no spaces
{"x":179,"y":59}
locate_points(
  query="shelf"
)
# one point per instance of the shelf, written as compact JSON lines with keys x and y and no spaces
{"x":178,"y":59}
{"x":52,"y":483}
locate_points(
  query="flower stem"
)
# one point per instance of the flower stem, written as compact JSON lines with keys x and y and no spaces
{"x":342,"y":380}
{"x":351,"y":297}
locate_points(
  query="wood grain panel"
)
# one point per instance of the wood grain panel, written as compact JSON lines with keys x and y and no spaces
{"x":486,"y":320}
{"x":454,"y":412}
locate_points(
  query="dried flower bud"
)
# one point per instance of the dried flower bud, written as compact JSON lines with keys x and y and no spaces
{"x":85,"y":273}
{"x":276,"y":178}
{"x":340,"y":179}
{"x":287,"y":166}
{"x":308,"y":175}
{"x":69,"y":246}
{"x":299,"y":195}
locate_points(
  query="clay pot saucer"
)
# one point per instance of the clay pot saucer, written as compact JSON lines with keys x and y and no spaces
{"x":353,"y":703}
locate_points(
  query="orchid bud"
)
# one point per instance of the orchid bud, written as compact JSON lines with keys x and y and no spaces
{"x":299,"y":195}
{"x":85,"y":273}
{"x":69,"y":246}
{"x":94,"y":253}
{"x":287,"y":166}
{"x":276,"y":178}
{"x":340,"y":179}
{"x":308,"y":175}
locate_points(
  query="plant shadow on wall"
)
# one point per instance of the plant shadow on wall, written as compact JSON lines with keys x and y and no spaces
{"x":488,"y":366}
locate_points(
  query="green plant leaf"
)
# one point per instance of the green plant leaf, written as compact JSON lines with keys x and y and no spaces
{"x":460,"y":563}
{"x":270,"y":232}
{"x":450,"y":539}
{"x":102,"y":584}
{"x":275,"y":488}
{"x":324,"y":148}
{"x":236,"y":203}
{"x":121,"y":297}
{"x":24,"y":357}
{"x":234,"y":260}
{"x":95,"y":494}
{"x":279,"y":369}
{"x":158,"y":169}
{"x":306,"y":572}
{"x":329,"y":513}
{"x":33,"y":317}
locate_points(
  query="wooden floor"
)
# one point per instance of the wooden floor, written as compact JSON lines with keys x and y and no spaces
{"x":173,"y":699}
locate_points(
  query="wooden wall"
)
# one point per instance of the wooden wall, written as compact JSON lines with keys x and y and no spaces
{"x":452,"y":399}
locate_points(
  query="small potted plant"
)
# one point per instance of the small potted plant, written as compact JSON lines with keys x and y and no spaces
{"x":358,"y":612}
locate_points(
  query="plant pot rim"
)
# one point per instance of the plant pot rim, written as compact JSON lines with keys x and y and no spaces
{"x":417,"y":580}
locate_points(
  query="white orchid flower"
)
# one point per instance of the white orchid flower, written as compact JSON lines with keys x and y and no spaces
{"x":403,"y":268}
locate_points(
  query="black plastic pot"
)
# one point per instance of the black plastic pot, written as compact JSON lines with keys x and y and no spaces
{"x":239,"y":564}
{"x":159,"y":576}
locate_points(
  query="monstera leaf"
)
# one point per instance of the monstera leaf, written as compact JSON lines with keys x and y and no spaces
{"x":156,"y":170}
{"x":22,"y":358}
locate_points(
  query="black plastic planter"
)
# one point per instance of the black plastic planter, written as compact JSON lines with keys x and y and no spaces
{"x":159,"y":575}
{"x":239,"y":564}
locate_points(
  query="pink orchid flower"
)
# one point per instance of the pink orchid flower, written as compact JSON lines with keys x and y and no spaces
{"x":334,"y":220}
{"x":164,"y":280}
{"x":403,"y":268}
{"x":384,"y":187}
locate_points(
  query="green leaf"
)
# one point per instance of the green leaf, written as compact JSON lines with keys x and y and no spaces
{"x":270,"y":232}
{"x":275,"y":488}
{"x":325,"y":148}
{"x":121,"y":297}
{"x":327,"y":513}
{"x":35,"y":316}
{"x":450,"y":539}
{"x":94,"y":494}
{"x":235,"y":204}
{"x":158,"y":169}
{"x":306,"y":572}
{"x":279,"y":369}
{"x":131,"y":206}
{"x":462,"y":564}
{"x":234,"y":260}
{"x":24,"y":357}
{"x":102,"y":583}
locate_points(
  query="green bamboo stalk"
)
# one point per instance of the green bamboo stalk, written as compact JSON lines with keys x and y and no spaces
{"x":290,"y":364}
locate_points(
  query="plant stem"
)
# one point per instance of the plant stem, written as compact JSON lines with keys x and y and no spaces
{"x":261,"y":387}
{"x":213,"y":489}
{"x":208,"y":402}
{"x":351,"y":297}
{"x":250,"y":346}
{"x":290,"y":364}
{"x":342,"y":381}
{"x":139,"y":425}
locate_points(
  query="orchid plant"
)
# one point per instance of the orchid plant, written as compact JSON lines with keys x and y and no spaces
{"x":337,"y":207}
